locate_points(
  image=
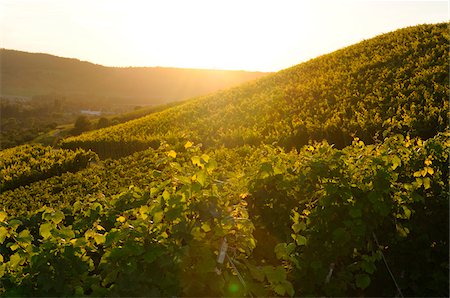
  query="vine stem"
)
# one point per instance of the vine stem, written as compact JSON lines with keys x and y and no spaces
{"x":241,"y":279}
{"x":387,"y":266}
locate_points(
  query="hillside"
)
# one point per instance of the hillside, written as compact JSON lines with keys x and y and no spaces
{"x":326,"y":179}
{"x":30,"y":74}
{"x":395,"y":83}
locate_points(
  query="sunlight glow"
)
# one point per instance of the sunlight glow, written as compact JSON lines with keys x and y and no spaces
{"x":252,"y":35}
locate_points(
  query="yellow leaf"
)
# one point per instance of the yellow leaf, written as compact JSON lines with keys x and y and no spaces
{"x":418,"y":174}
{"x":3,"y":216}
{"x":428,"y":162}
{"x":99,"y":238}
{"x":206,"y":228}
{"x":121,"y":219}
{"x":430,"y":170}
{"x":188,"y":145}
{"x":100,"y":228}
{"x":172,"y":154}
{"x":426,"y":183}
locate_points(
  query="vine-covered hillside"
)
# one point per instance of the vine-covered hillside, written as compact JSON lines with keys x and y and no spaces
{"x":394,"y":83}
{"x":326,"y":179}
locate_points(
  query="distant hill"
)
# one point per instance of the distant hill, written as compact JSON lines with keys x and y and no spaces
{"x":29,"y":74}
{"x":393,"y":83}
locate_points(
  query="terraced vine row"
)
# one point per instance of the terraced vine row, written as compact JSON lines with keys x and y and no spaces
{"x":167,"y":238}
{"x":25,"y":164}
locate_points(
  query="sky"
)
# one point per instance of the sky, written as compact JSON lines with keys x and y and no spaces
{"x":258,"y":35}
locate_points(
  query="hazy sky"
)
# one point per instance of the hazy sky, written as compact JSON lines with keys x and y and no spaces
{"x":226,"y":34}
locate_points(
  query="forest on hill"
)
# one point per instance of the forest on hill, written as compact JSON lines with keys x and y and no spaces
{"x":33,"y":74}
{"x":329,"y":178}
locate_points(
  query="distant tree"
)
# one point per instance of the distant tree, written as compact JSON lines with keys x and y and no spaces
{"x":81,"y":124}
{"x":103,"y":122}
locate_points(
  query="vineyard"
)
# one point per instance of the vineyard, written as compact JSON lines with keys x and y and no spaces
{"x":396,"y":83}
{"x":326,"y":179}
{"x":37,"y":162}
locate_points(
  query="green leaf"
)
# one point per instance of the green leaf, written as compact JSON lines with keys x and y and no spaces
{"x":340,"y":235}
{"x":196,"y":161}
{"x":45,"y":230}
{"x":265,"y":170}
{"x":157,"y":217}
{"x":205,"y":227}
{"x":403,"y":231}
{"x":211,"y":166}
{"x":166,"y":195}
{"x":14,"y":260}
{"x":152,"y":254}
{"x":57,"y":217}
{"x":396,"y":162}
{"x":99,"y":238}
{"x":300,"y":239}
{"x":426,"y":183}
{"x":256,"y":273}
{"x":3,"y":234}
{"x":280,"y":251}
{"x":14,"y":247}
{"x":355,"y":212}
{"x":201,"y":177}
{"x":362,"y":281}
{"x":143,"y":210}
{"x":407,"y":212}
{"x":275,"y":275}
{"x":368,"y":267}
{"x":2,"y":269}
{"x":25,"y":237}
{"x":197,"y":233}
{"x":299,"y":226}
{"x":279,"y":289}
{"x":289,"y":288}
{"x":14,"y":223}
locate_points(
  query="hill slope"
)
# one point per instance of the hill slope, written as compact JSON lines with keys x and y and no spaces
{"x":29,"y":74}
{"x":394,"y":83}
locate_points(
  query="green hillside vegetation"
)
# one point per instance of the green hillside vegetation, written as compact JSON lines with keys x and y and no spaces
{"x":30,"y":74}
{"x":326,"y":179}
{"x":395,"y":83}
{"x":37,"y":162}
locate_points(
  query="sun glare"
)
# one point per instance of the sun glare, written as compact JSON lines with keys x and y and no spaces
{"x":249,"y":35}
{"x":206,"y":34}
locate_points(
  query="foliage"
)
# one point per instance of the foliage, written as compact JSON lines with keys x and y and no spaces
{"x":237,"y":194}
{"x":329,"y":206}
{"x":332,"y":204}
{"x":394,"y":83}
{"x":82,"y":124}
{"x":25,"y":164}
